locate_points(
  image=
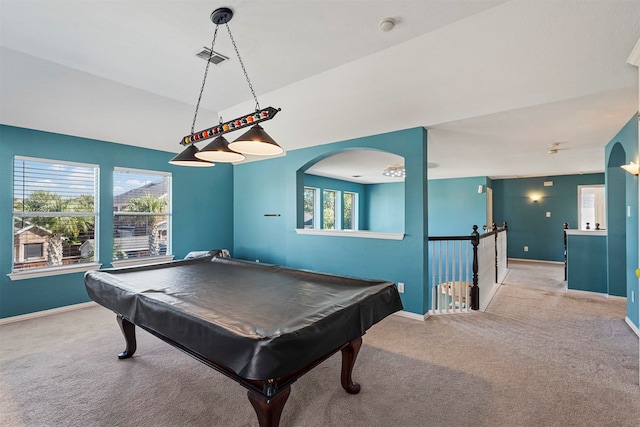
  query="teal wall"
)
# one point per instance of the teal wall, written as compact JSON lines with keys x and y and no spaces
{"x":587,"y":263}
{"x":528,"y":224}
{"x":199,"y":196}
{"x":455,"y":206}
{"x":622,"y":216}
{"x":255,"y":208}
{"x":275,"y":185}
{"x":384,"y":209}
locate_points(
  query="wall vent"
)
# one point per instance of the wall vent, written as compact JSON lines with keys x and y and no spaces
{"x":216,"y":58}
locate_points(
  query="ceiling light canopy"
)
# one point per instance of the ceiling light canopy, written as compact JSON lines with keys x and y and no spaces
{"x":255,"y":141}
{"x":395,"y":171}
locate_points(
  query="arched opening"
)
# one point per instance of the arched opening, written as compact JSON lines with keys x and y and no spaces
{"x":352,"y":190}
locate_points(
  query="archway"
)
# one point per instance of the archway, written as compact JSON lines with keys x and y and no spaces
{"x":348,"y":190}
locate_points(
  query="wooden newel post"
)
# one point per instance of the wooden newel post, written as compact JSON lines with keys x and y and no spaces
{"x":495,"y":251}
{"x":506,"y":229}
{"x":564,"y":231}
{"x":475,"y":290}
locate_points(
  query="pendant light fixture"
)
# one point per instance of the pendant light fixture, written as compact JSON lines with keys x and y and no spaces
{"x":188,"y":158}
{"x":395,"y":171}
{"x":218,"y":151}
{"x":255,"y":141}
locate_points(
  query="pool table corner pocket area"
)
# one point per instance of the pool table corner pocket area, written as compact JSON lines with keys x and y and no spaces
{"x":255,"y":294}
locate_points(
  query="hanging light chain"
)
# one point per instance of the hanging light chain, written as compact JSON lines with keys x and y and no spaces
{"x":204,"y":80}
{"x":255,"y":98}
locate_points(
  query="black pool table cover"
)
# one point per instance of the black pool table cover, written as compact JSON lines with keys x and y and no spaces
{"x":259,"y":320}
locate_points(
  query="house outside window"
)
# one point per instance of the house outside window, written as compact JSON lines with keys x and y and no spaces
{"x":142,"y":214}
{"x":54,"y":212}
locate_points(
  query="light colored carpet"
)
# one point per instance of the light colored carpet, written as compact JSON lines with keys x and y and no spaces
{"x":536,"y":274}
{"x":536,"y":357}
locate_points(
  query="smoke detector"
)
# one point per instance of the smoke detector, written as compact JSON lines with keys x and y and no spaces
{"x":387,"y":24}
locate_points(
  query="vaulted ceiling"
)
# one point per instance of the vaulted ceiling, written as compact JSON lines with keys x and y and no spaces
{"x":494,"y":82}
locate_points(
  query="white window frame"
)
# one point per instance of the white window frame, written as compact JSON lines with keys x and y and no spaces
{"x":169,"y":213}
{"x":62,"y":269}
{"x":316,"y":208}
{"x":600,"y":208}
{"x":354,"y":210}
{"x":337,"y":209}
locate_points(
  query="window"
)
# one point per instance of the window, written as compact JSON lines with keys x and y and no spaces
{"x":329,"y":210}
{"x":33,"y":251}
{"x":591,"y":207}
{"x":54,"y":213}
{"x":339,"y":209}
{"x":349,"y":211}
{"x":311,"y":203}
{"x":142,"y":214}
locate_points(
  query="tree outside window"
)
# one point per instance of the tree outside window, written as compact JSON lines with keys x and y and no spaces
{"x":142,"y":212}
{"x":309,"y":207}
{"x":54,"y":213}
{"x":348,"y":207}
{"x":329,"y":210}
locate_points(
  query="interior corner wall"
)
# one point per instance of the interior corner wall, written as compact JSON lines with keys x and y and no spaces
{"x":270,"y":186}
{"x":385,"y":207}
{"x":627,"y":138}
{"x":456,"y":205}
{"x":202,"y":201}
{"x":529,"y":225}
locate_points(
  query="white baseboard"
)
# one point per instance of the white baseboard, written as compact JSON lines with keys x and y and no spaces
{"x":633,"y":327}
{"x":413,"y":316}
{"x":43,"y":313}
{"x":580,"y":292}
{"x":535,"y":260}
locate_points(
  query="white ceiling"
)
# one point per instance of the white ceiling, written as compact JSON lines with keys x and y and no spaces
{"x":494,"y":82}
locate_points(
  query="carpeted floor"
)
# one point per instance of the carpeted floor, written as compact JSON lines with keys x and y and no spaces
{"x":532,"y":274}
{"x":536,"y":357}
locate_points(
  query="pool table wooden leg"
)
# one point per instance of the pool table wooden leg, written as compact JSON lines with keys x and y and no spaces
{"x":349,"y":354}
{"x":269,"y":409}
{"x":129,"y":331}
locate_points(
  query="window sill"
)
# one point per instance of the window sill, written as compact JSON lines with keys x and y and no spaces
{"x":141,"y":261}
{"x":586,"y":232}
{"x":53,"y":271}
{"x":352,"y":233}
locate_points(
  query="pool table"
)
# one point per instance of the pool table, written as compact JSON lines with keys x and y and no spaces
{"x":262,"y":325}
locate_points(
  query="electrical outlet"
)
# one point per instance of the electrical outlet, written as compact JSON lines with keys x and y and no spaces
{"x":526,"y":248}
{"x":257,"y":260}
{"x":548,"y":214}
{"x":401,"y":287}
